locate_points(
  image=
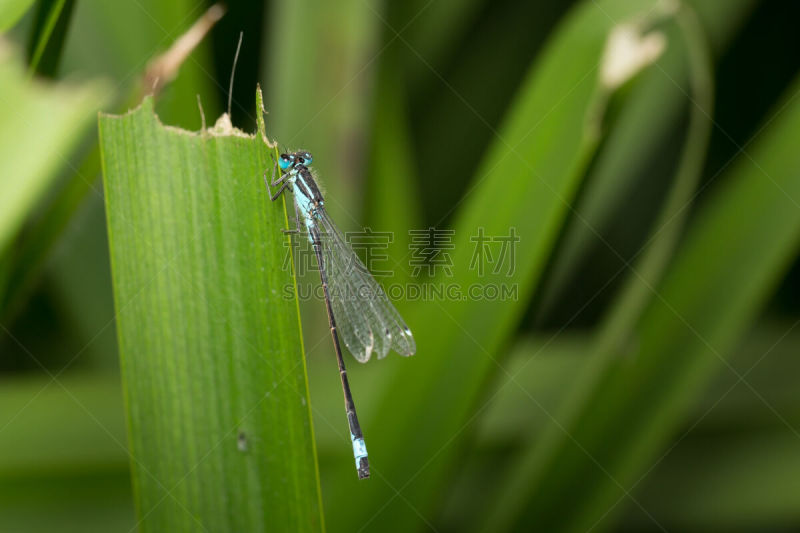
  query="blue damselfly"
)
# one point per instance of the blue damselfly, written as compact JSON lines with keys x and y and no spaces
{"x":357,"y":306}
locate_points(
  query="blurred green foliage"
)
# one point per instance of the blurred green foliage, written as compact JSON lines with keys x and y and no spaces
{"x":642,"y":380}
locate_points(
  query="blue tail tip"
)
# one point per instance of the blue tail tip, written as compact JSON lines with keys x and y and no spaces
{"x":360,"y":455}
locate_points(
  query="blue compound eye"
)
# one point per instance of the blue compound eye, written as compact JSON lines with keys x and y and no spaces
{"x":306,"y":156}
{"x":285,"y":161}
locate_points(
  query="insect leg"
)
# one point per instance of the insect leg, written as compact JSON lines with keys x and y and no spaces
{"x":277,"y":195}
{"x":275,"y":170}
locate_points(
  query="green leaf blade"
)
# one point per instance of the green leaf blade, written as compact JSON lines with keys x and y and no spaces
{"x":11,"y":11}
{"x":41,"y":125}
{"x":683,"y":337}
{"x":212,"y":361}
{"x":532,"y":170}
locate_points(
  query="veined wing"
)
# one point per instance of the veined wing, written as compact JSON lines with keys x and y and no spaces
{"x":350,"y":324}
{"x":364,"y":315}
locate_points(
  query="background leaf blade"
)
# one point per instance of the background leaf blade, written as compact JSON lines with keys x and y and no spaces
{"x":679,"y":341}
{"x":532,"y":169}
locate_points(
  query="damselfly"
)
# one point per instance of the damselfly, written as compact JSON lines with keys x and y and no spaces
{"x":357,"y":306}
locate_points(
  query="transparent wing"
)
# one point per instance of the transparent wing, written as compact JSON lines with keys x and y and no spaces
{"x":350,"y":324}
{"x":366,"y":319}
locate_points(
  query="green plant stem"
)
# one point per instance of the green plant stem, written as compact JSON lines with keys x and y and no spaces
{"x":52,"y":23}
